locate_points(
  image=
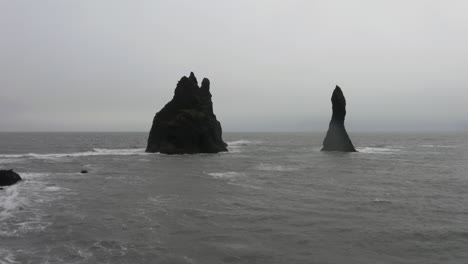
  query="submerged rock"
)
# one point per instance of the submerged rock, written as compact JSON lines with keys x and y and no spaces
{"x":337,"y":138}
{"x":84,"y":171}
{"x":8,"y":177}
{"x":187,"y":124}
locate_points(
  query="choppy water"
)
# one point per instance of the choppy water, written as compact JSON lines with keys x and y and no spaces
{"x":274,"y":198}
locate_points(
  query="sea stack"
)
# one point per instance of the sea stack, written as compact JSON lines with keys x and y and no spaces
{"x":187,"y":124}
{"x":337,"y":138}
{"x":8,"y":177}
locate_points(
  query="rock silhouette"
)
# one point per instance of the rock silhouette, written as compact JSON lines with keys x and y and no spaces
{"x":337,"y":138}
{"x":187,"y":124}
{"x":8,"y":177}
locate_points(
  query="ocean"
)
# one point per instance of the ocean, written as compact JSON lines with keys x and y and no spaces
{"x":273,"y":198}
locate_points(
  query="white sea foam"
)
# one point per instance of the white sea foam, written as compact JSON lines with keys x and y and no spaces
{"x":437,"y":146}
{"x":162,"y":199}
{"x":53,"y":188}
{"x":36,"y":224}
{"x":9,"y":201}
{"x":377,"y":200}
{"x":94,"y":152}
{"x":378,"y":150}
{"x":235,"y":146}
{"x":243,"y":142}
{"x":33,"y":175}
{"x":9,"y":160}
{"x":6,"y":257}
{"x":270,"y":167}
{"x":80,"y":252}
{"x":110,"y":246}
{"x":225,"y":175}
{"x":20,"y":203}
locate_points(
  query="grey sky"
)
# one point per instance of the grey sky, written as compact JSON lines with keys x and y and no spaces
{"x":110,"y":65}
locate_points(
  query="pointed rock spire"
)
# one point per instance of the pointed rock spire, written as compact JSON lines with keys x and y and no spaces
{"x":193,"y":78}
{"x":337,"y":138}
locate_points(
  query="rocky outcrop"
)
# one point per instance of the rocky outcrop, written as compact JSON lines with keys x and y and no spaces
{"x":337,"y":138}
{"x":187,"y":124}
{"x":8,"y":177}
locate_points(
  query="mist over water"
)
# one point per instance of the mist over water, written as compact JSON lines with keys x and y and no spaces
{"x":274,"y":198}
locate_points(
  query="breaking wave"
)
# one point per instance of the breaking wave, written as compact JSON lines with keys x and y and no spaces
{"x":94,"y":152}
{"x":378,"y":150}
{"x":437,"y":146}
{"x":225,"y":175}
{"x":235,"y":146}
{"x":270,"y":167}
{"x":242,"y":142}
{"x":6,"y":257}
{"x":9,"y":201}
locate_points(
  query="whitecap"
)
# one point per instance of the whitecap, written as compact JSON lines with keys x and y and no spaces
{"x":270,"y":167}
{"x":437,"y":146}
{"x":32,"y":175}
{"x":53,"y":188}
{"x":427,"y":146}
{"x":80,"y":252}
{"x":110,"y":246}
{"x":131,"y":151}
{"x":375,"y":150}
{"x":235,"y":146}
{"x":10,"y":160}
{"x":6,"y":257}
{"x":34,"y":225}
{"x":9,"y":201}
{"x":161,"y":199}
{"x":225,"y":175}
{"x":243,"y":142}
{"x":94,"y":152}
{"x":377,"y":200}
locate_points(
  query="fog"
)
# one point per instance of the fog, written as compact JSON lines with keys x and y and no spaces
{"x":93,"y":65}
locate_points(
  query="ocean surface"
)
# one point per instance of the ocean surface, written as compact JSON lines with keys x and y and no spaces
{"x":274,"y":198}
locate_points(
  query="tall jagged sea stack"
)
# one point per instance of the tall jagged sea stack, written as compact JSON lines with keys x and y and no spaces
{"x":187,"y":124}
{"x":337,"y":138}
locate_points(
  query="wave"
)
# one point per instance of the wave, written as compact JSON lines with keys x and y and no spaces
{"x":437,"y":146}
{"x":382,"y":201}
{"x":269,"y":167}
{"x":378,"y":150}
{"x":32,"y":175}
{"x":94,"y":152}
{"x":6,"y":257}
{"x":54,"y":189}
{"x":225,"y":175}
{"x":235,"y":146}
{"x":243,"y":142}
{"x":9,"y":201}
{"x":9,"y":160}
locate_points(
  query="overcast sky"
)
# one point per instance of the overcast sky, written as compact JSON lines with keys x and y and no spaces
{"x":91,"y":65}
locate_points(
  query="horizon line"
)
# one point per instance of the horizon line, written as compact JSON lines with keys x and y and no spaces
{"x":246,"y":131}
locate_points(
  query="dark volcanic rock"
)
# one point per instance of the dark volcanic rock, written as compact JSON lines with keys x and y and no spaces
{"x":337,"y":138}
{"x":187,"y":123}
{"x":8,"y":177}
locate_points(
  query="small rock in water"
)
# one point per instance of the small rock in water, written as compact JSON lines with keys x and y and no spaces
{"x":84,"y":171}
{"x":8,"y":177}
